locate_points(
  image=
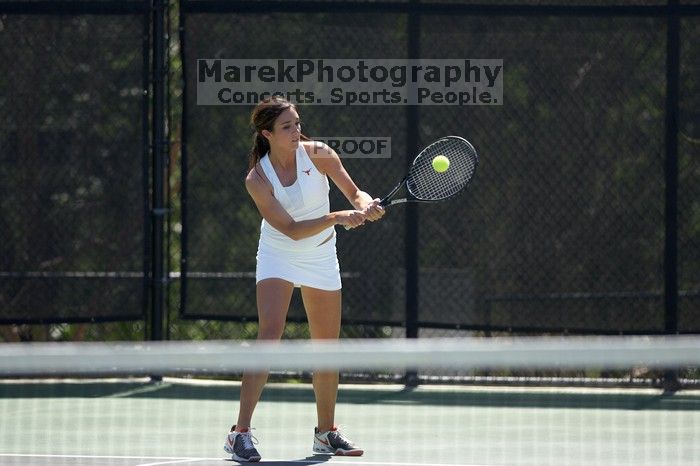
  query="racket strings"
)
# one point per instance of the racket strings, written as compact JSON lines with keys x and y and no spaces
{"x":427,"y":184}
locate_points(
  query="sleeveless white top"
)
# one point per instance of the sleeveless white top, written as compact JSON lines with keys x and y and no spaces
{"x":306,"y":199}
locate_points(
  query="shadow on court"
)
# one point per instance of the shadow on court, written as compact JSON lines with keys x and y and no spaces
{"x":313,"y":459}
{"x":376,"y":395}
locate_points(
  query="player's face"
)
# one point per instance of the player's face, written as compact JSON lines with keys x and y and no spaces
{"x":286,"y":131}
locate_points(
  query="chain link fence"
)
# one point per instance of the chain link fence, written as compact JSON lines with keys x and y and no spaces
{"x":563,"y":228}
{"x":689,"y":173}
{"x":73,"y":192}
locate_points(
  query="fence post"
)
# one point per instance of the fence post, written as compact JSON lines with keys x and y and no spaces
{"x":159,"y":146}
{"x":411,"y":240}
{"x":671,"y":172}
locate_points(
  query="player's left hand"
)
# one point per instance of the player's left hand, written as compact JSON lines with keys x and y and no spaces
{"x":374,"y":211}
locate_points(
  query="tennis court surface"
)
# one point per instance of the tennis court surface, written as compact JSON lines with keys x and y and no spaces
{"x":184,"y":420}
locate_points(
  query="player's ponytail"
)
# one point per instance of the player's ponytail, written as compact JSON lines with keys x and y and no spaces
{"x":263,"y":118}
{"x":261,"y":146}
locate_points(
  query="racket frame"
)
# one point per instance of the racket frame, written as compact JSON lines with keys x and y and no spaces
{"x":387,"y":201}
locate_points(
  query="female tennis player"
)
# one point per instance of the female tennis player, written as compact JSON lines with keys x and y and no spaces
{"x":288,"y":181}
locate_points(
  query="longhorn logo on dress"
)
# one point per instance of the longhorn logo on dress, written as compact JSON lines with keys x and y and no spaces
{"x":308,"y":172}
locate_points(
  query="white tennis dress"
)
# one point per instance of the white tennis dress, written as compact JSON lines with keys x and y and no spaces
{"x":308,"y":261}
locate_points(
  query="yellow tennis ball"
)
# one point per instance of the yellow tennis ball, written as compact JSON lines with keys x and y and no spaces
{"x":441,"y":163}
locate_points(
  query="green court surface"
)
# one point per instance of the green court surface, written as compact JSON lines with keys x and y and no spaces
{"x":133,"y":422}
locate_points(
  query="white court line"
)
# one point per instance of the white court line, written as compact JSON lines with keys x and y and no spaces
{"x":381,"y":463}
{"x":138,"y":391}
{"x":107,"y":457}
{"x":187,"y":460}
{"x":180,"y":459}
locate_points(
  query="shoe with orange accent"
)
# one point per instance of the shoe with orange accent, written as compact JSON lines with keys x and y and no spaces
{"x":332,"y":442}
{"x":240,"y":445}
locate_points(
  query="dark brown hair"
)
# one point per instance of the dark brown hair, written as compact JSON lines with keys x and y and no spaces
{"x":263,"y":118}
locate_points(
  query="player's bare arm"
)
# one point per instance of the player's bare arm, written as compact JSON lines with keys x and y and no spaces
{"x":261,"y":192}
{"x":328,"y":162}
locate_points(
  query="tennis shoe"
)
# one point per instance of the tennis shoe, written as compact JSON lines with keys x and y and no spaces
{"x":241,"y":446}
{"x":333,"y":442}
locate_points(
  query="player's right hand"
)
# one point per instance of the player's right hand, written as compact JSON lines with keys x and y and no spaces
{"x":350,"y":218}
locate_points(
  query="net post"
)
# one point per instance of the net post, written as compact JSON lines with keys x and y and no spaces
{"x":671,"y":382}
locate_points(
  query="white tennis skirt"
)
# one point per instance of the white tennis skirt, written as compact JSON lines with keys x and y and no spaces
{"x":315,"y":268}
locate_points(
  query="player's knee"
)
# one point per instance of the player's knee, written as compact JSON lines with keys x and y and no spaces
{"x":270,"y":331}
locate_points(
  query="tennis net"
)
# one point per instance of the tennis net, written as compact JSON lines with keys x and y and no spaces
{"x":151,"y":403}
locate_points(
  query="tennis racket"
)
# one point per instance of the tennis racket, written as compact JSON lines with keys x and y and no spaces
{"x":425,"y":184}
